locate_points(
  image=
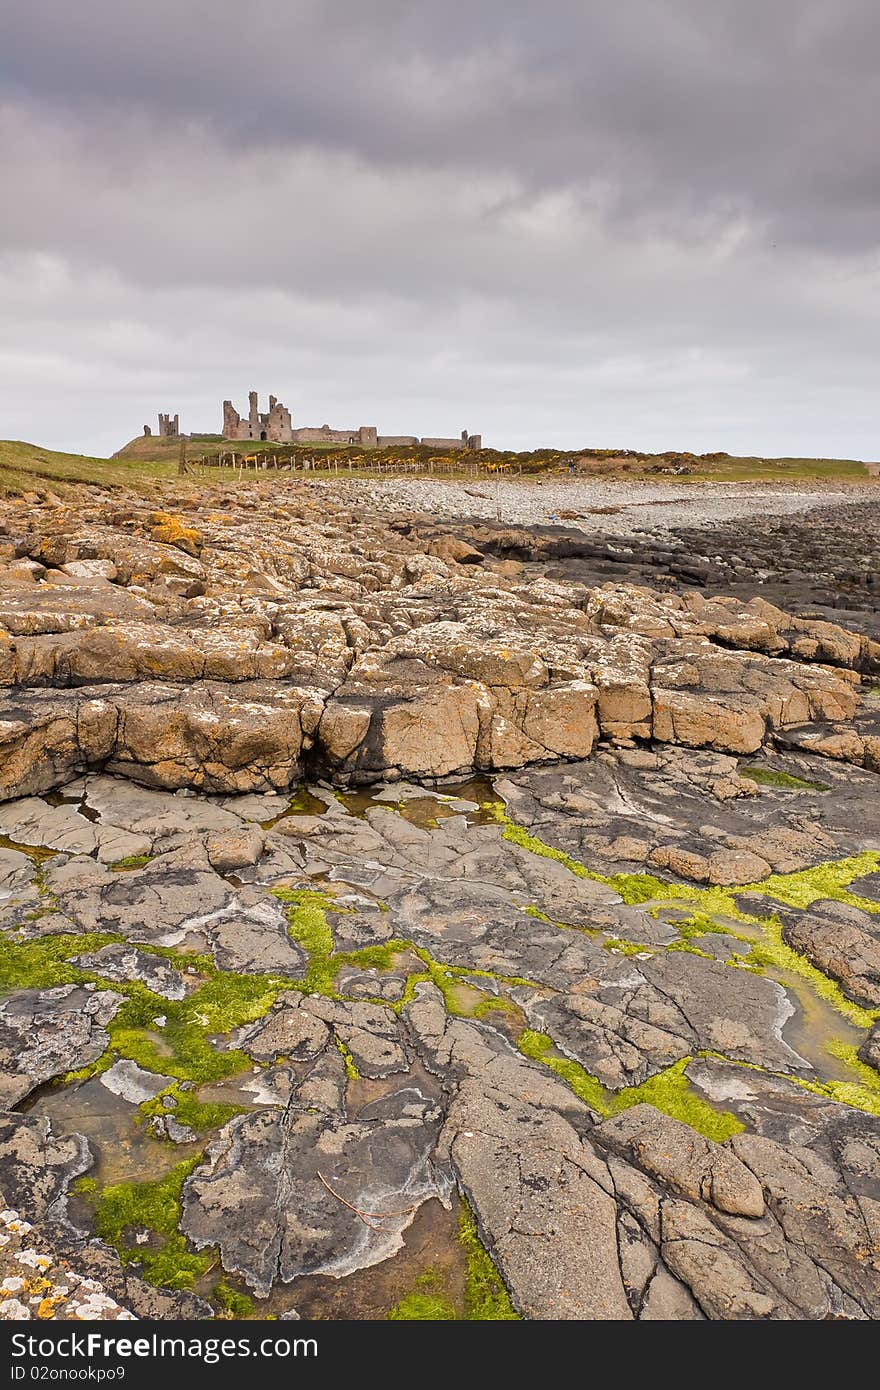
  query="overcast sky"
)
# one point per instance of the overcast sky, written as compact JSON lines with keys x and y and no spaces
{"x":647,"y":223}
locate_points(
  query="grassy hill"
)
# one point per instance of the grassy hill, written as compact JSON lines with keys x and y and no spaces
{"x":148,"y":459}
{"x":154,"y":448}
{"x":25,"y":467}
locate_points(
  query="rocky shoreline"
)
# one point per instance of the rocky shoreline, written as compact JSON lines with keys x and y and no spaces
{"x":438,"y":919}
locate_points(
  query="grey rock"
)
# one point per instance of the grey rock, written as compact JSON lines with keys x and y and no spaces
{"x":288,"y":1031}
{"x":117,"y":962}
{"x":37,"y":1166}
{"x":132,"y":1083}
{"x":49,"y":1032}
{"x":844,"y":942}
{"x":259,"y":1197}
{"x":544,"y":1205}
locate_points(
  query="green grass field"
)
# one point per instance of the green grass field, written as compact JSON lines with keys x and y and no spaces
{"x":25,"y":467}
{"x":148,"y":460}
{"x":746,"y":469}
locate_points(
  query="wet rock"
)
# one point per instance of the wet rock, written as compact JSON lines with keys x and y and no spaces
{"x":37,"y":1166}
{"x":870,"y":1049}
{"x":259,"y":1197}
{"x":725,"y":1285}
{"x":843,"y":941}
{"x":132,"y":1083}
{"x":369,"y":1032}
{"x":49,"y":1032}
{"x":122,"y":963}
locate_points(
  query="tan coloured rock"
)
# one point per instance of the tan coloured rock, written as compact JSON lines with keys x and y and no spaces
{"x":433,"y":735}
{"x":686,"y":1162}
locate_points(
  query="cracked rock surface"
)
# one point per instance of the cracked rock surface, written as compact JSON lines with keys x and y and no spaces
{"x":379,"y":895}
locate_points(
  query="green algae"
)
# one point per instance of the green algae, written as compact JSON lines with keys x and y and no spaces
{"x":233,"y":1303}
{"x":45,"y":961}
{"x":493,"y":1003}
{"x":799,"y":889}
{"x":188,"y":1110}
{"x":181,"y":1047}
{"x":308,"y":926}
{"x":863,"y":1094}
{"x":669,"y":1091}
{"x":625,"y":948}
{"x":123,"y":1208}
{"x":690,"y":949}
{"x":351,"y":1070}
{"x":485,"y":1299}
{"x":827,"y":880}
{"x":307,"y":910}
{"x":770,"y":777}
{"x":428,"y":1301}
{"x":775,"y":952}
{"x":379,"y":957}
{"x":132,"y":861}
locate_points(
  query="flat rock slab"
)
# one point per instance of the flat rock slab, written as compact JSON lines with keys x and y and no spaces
{"x":46,"y":1033}
{"x":123,"y":963}
{"x":132,"y":1083}
{"x":33,"y":821}
{"x":155,"y":813}
{"x":37,"y":1165}
{"x":259,"y":1197}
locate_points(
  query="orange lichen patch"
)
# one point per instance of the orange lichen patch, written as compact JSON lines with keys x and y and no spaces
{"x":49,"y":1305}
{"x":171,"y":530}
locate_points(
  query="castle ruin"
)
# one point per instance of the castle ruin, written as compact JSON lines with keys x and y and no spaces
{"x":276,"y":425}
{"x":169,"y":427}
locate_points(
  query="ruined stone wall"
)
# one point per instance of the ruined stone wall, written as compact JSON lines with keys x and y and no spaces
{"x":231,"y":421}
{"x":323,"y":434}
{"x":439,"y":443}
{"x":277,"y":423}
{"x":384,"y":440}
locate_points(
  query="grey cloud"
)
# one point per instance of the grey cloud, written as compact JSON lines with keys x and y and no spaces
{"x":672,"y":102}
{"x":652,"y":222}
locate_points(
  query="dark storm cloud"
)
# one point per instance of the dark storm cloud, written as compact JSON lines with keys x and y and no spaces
{"x":654,"y":221}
